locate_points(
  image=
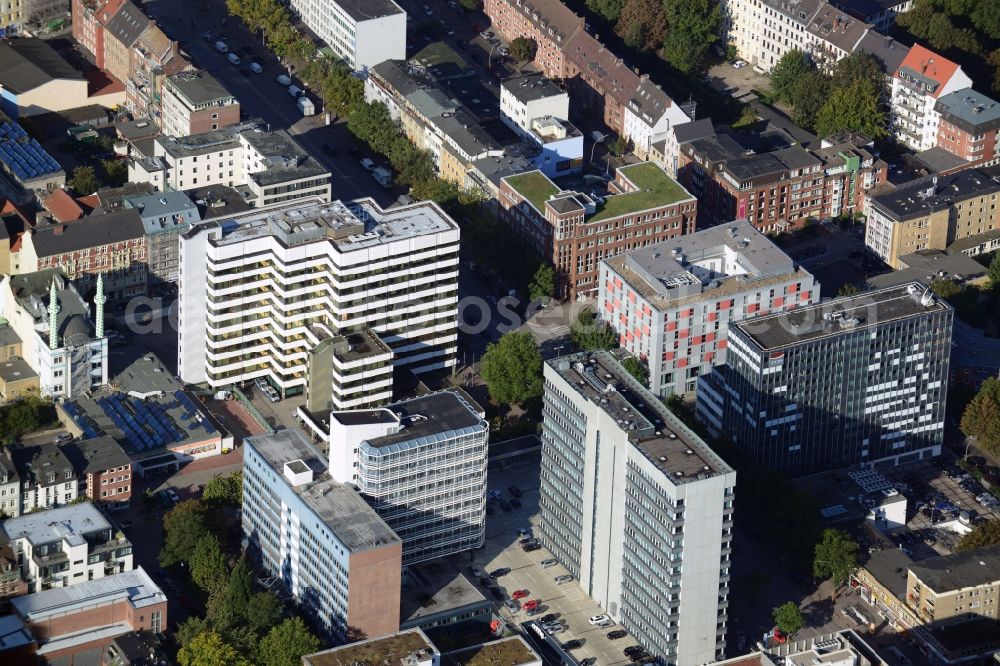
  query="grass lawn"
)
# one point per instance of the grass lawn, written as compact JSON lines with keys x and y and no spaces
{"x":535,"y":187}
{"x":657,"y":189}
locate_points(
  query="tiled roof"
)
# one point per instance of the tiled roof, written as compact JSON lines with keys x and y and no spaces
{"x":599,"y":64}
{"x":930,"y":65}
{"x":551,"y":15}
{"x":63,"y":206}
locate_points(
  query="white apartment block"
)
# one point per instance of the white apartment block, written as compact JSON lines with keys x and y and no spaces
{"x":765,"y":30}
{"x":921,"y":79}
{"x":329,"y":549}
{"x":59,"y":341}
{"x":348,"y":371}
{"x":363,"y":34}
{"x":67,"y":545}
{"x":671,"y":303}
{"x":195,"y":102}
{"x":46,"y":475}
{"x":10,"y":485}
{"x":260,"y":290}
{"x":524,"y":98}
{"x":267,"y":168}
{"x":648,"y":116}
{"x":637,"y":508}
{"x":421,"y":464}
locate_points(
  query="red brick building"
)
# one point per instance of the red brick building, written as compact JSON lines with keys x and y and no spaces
{"x":598,"y":80}
{"x":104,"y":471}
{"x":77,"y":624}
{"x":549,"y":22}
{"x":88,"y":30}
{"x":969,"y":126}
{"x":153,"y":58}
{"x":576,"y":232}
{"x":779,"y":190}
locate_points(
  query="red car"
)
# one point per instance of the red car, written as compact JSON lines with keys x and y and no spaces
{"x":519,"y":594}
{"x":530,"y":605}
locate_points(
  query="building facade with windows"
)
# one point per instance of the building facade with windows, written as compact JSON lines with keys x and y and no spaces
{"x":671,"y":303}
{"x":66,"y":546}
{"x":857,"y":380}
{"x":61,"y":344}
{"x":104,"y":469}
{"x":637,"y":507}
{"x":362,"y":34}
{"x":194,"y":103}
{"x":969,"y":126}
{"x":329,"y":549}
{"x":165,"y":216}
{"x":932,"y":214}
{"x":421,"y":464}
{"x":47,"y":477}
{"x":10,"y":485}
{"x":260,"y":290}
{"x":575,"y":232}
{"x":922,"y":78}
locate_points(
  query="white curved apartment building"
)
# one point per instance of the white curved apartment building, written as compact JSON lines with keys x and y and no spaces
{"x":259,"y":291}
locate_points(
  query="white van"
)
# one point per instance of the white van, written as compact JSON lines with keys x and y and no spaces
{"x":233,"y":59}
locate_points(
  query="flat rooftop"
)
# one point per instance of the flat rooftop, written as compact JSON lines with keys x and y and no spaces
{"x":283,"y":158}
{"x":970,"y":568}
{"x":391,"y":650}
{"x":889,"y":567}
{"x":338,"y":505}
{"x":370,"y":9}
{"x":135,"y":586}
{"x":654,"y":189}
{"x":351,"y":227}
{"x":858,"y":312}
{"x":436,"y":587}
{"x":357,"y":345}
{"x":924,"y":266}
{"x":535,"y":187}
{"x":66,"y":522}
{"x":431,"y":415}
{"x":933,"y":193}
{"x":969,"y":110}
{"x":670,"y":445}
{"x":146,"y":412}
{"x":16,"y":369}
{"x":512,"y":651}
{"x":531,"y":87}
{"x":701,"y":263}
{"x":199,"y":87}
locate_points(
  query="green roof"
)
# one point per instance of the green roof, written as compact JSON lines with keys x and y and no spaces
{"x":439,"y":53}
{"x":656,"y":189}
{"x":535,"y":187}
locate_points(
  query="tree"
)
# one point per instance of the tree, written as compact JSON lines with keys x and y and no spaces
{"x":115,"y":172}
{"x":986,"y":17}
{"x":637,"y":368}
{"x":543,"y":283}
{"x":372,"y":124}
{"x":263,"y":611}
{"x":609,"y":9}
{"x":836,"y":556}
{"x":993,"y":272}
{"x":693,"y":26}
{"x":945,"y":288}
{"x":523,"y":49}
{"x":787,"y":617}
{"x":23,"y":416}
{"x":191,"y":628}
{"x":471,"y":5}
{"x":642,"y":24}
{"x":590,"y":333}
{"x":228,"y":606}
{"x":860,"y":66}
{"x":84,"y":181}
{"x":342,"y":91}
{"x":848,"y":289}
{"x":987,"y":534}
{"x":208,"y":564}
{"x":512,"y":369}
{"x":619,"y":146}
{"x":808,"y":97}
{"x":856,"y":108}
{"x":786,"y":74}
{"x":184,"y":525}
{"x":208,"y":649}
{"x":225,"y":489}
{"x":981,"y":418}
{"x":285,"y":644}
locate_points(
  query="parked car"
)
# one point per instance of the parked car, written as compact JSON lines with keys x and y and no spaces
{"x":565,"y":578}
{"x":512,"y":605}
{"x":597,"y":619}
{"x":555,"y":629}
{"x":256,"y":68}
{"x":526,"y":541}
{"x":616,"y":634}
{"x":531,"y":547}
{"x":530,"y":604}
{"x":523,"y":532}
{"x":486,"y":581}
{"x":514,"y":491}
{"x":551,"y":617}
{"x":519,"y":594}
{"x":606,"y":625}
{"x":272,"y":394}
{"x":549,"y":563}
{"x":499,"y":573}
{"x":476,"y":572}
{"x":589,"y":661}
{"x":574,"y":644}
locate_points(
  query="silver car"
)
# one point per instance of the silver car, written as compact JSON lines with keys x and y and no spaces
{"x":565,"y":578}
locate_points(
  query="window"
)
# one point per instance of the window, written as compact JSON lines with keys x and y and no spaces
{"x":154,"y":622}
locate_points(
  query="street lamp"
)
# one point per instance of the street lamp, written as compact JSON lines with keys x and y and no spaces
{"x":597,"y":140}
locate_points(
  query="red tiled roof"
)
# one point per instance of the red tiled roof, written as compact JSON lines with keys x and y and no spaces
{"x":100,"y":82}
{"x":63,"y":207}
{"x":108,"y":11}
{"x":927,"y":63}
{"x":89,"y":203}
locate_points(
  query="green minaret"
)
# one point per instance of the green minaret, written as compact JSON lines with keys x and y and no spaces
{"x":53,"y":312}
{"x":99,"y":301}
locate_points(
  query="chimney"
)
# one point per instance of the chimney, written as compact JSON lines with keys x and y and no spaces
{"x":58,"y":229}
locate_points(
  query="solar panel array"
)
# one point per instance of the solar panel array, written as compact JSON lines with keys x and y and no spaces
{"x":23,"y":155}
{"x":192,"y":416}
{"x":85,"y":423}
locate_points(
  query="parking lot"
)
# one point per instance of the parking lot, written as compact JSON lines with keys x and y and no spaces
{"x":567,"y":601}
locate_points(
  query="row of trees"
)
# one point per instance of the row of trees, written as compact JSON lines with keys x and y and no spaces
{"x":966,"y":26}
{"x":853,"y":97}
{"x":242,"y":625}
{"x":679,"y":31}
{"x":22,"y":416}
